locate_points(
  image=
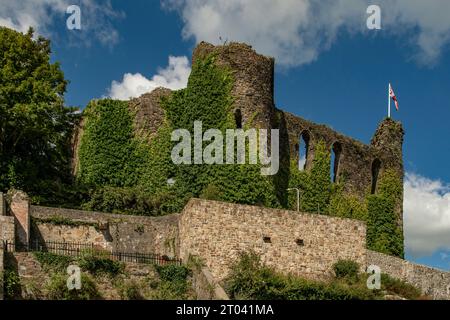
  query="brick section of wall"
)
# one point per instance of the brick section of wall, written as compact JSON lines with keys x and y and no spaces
{"x":2,"y":269}
{"x":123,"y":233}
{"x":7,"y":228}
{"x":303,"y":244}
{"x":433,"y":282}
{"x":2,"y":205}
{"x":20,"y":210}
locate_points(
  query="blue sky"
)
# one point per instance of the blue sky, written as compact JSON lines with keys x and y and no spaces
{"x":330,"y":69}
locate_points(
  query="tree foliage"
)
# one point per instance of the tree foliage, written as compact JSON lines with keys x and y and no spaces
{"x":35,"y":127}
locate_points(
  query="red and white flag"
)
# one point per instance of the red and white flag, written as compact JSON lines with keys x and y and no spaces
{"x":392,"y":96}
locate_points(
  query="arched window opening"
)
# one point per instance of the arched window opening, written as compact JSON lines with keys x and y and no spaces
{"x":302,"y":150}
{"x":336,"y":151}
{"x":376,"y":165}
{"x":238,"y":118}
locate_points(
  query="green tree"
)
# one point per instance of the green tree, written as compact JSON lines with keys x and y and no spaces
{"x":35,"y":127}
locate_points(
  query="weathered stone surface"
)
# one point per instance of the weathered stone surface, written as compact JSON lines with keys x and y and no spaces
{"x":217,"y":232}
{"x":2,"y":258}
{"x":7,"y":229}
{"x":253,"y":76}
{"x":354,"y":168}
{"x":253,"y":95}
{"x":20,"y":210}
{"x":2,"y":205}
{"x":75,"y":145}
{"x":302,"y":244}
{"x":433,"y":282}
{"x":149,"y":115}
{"x":125,"y":233}
{"x":206,"y":287}
{"x":80,"y":234}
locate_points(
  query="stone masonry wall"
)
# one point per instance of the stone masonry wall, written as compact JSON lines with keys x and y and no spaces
{"x":6,"y":234}
{"x":2,"y":205}
{"x":253,"y":76}
{"x":110,"y":231}
{"x":7,"y":229}
{"x":253,"y":96}
{"x":302,"y":244}
{"x":2,"y":268}
{"x":432,"y":282}
{"x":356,"y":158}
{"x":19,"y":209}
{"x":205,"y":286}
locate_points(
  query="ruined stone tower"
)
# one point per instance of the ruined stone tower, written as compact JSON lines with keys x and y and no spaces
{"x":356,"y":165}
{"x":253,"y":76}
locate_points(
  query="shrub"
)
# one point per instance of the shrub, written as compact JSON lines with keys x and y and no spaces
{"x":173,"y":284}
{"x":171,"y":290}
{"x":172,"y":272}
{"x":130,"y":290}
{"x":250,"y":279}
{"x":57,"y":288}
{"x":51,"y":261}
{"x":131,"y":200}
{"x":346,"y":269}
{"x":245,"y":280}
{"x":12,"y":284}
{"x":211,"y":192}
{"x":97,"y":265}
{"x":399,"y":287}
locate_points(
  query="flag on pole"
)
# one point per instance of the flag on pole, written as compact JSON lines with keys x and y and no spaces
{"x":392,"y":96}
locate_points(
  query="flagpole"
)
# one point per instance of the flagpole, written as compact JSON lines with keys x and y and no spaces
{"x":389,"y":101}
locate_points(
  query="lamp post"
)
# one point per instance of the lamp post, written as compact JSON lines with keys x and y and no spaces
{"x":298,"y":197}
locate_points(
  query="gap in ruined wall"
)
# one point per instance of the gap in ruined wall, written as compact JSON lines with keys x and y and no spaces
{"x":267,"y":240}
{"x":302,"y":149}
{"x":376,"y":165}
{"x":238,"y":118}
{"x":336,"y":152}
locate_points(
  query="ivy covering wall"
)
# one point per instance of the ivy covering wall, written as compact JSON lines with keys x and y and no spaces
{"x":130,"y":175}
{"x":127,"y":174}
{"x":315,"y":184}
{"x":383,"y":233}
{"x":319,"y":195}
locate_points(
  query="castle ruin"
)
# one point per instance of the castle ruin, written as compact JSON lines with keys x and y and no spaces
{"x":293,"y":242}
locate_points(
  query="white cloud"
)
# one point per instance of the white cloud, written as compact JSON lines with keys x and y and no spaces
{"x":41,"y":15}
{"x":426,"y":215}
{"x":295,"y":32}
{"x":301,"y":163}
{"x":174,"y":76}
